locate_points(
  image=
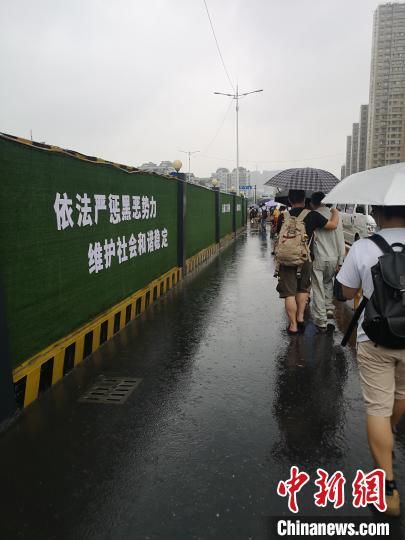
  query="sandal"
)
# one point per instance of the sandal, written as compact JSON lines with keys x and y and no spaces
{"x":301,"y":326}
{"x":291,"y":332}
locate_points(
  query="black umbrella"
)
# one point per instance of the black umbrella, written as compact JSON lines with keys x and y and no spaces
{"x":308,"y":179}
{"x":282,"y":197}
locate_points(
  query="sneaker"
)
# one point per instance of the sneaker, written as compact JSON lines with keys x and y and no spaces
{"x":330,"y":314}
{"x":392,"y":499}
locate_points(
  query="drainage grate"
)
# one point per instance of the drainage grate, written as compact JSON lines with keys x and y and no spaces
{"x":113,"y":390}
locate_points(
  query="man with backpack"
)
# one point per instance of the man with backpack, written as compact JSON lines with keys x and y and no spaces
{"x":377,"y":266}
{"x":293,"y":255}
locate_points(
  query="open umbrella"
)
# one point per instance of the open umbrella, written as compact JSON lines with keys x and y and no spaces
{"x":383,"y":186}
{"x":306,"y":179}
{"x":271,"y":203}
{"x":282,"y":197}
{"x":263,"y":200}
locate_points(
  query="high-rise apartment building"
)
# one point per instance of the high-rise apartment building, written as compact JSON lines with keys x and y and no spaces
{"x":355,"y":149}
{"x":227,"y":179}
{"x":362,"y":147}
{"x":356,"y":146}
{"x":386,"y":133}
{"x":244,"y":176}
{"x":348,"y":155}
{"x":224,"y":177}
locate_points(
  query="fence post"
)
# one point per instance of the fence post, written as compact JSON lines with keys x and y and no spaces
{"x":217,"y":215}
{"x":234,"y":213}
{"x":8,"y":404}
{"x":181,"y":221}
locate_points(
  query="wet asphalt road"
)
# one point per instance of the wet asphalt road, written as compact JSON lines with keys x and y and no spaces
{"x":227,"y":403}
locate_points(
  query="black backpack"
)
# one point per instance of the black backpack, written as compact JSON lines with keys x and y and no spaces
{"x":264,"y":213}
{"x":384,"y":317}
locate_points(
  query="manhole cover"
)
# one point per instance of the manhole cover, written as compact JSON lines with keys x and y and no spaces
{"x":113,"y":390}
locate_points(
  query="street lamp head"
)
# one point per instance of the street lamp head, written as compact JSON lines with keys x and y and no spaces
{"x":252,"y":92}
{"x":214,"y":182}
{"x":237,"y":96}
{"x":177,"y":164}
{"x":233,"y":189}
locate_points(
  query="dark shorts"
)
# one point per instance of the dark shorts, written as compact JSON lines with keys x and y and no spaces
{"x":289,"y":284}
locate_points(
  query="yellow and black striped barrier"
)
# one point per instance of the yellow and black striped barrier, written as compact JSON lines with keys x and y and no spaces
{"x":46,"y":368}
{"x":49,"y":366}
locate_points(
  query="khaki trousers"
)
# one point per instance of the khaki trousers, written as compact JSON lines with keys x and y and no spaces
{"x":323,"y":273}
{"x":382,"y":377}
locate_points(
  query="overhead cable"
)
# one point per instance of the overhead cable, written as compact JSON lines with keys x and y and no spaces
{"x":217,"y":44}
{"x":219,"y":128}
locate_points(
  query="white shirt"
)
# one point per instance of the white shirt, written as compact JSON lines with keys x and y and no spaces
{"x":356,"y":270}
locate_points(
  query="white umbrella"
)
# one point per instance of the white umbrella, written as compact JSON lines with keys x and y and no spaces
{"x":383,"y":186}
{"x":271,"y":203}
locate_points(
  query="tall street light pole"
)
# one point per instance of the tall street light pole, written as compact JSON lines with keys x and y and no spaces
{"x":189,"y":160}
{"x":237,"y":96}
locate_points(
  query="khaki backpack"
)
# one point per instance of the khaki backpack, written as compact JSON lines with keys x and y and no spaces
{"x":292,"y":247}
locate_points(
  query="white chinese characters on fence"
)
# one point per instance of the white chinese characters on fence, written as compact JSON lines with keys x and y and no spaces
{"x":85,"y":211}
{"x":120,"y":208}
{"x":226,"y":208}
{"x":101,"y":254}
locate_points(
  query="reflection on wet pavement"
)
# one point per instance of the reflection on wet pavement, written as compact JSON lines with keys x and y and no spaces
{"x":228,"y":402}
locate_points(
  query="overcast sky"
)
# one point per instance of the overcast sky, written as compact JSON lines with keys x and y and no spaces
{"x":133,"y":80}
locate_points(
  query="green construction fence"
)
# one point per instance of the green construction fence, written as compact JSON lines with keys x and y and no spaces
{"x":60,"y":270}
{"x":78,"y":235}
{"x":200,"y":219}
{"x":225,"y":210}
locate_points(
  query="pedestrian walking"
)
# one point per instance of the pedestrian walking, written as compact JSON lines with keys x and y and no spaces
{"x":377,"y":265}
{"x":252,"y":214}
{"x":296,"y":229}
{"x":329,"y":252}
{"x":273,"y":221}
{"x":263,"y":217}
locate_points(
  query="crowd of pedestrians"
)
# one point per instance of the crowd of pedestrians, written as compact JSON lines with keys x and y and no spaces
{"x":294,"y":254}
{"x":311,"y":260}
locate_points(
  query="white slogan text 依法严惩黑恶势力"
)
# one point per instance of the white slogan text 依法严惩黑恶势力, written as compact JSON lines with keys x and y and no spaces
{"x":84,"y":210}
